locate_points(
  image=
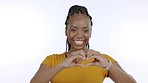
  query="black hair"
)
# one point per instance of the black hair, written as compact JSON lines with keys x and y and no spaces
{"x":77,"y":9}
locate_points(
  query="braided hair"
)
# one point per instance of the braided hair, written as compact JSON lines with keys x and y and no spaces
{"x":77,"y":9}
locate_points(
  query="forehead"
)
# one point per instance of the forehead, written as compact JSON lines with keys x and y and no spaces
{"x":79,"y":20}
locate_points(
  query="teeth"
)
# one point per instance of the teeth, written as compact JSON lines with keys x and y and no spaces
{"x":78,"y":42}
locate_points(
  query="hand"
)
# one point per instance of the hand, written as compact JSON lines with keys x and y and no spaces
{"x":99,"y":60}
{"x":74,"y":58}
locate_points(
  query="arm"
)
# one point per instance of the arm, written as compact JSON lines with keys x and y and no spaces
{"x":45,"y":73}
{"x":118,"y":75}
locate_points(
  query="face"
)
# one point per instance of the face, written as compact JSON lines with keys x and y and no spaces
{"x":78,"y":31}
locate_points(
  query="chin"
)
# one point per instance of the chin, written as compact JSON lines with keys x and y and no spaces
{"x":79,"y":47}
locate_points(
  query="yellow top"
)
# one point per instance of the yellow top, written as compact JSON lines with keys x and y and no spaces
{"x":90,"y":74}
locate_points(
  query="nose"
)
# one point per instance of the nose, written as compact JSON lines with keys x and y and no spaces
{"x":79,"y":35}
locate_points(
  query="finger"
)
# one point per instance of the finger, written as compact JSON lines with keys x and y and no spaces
{"x":73,"y":58}
{"x":81,"y":65}
{"x":94,"y":56}
{"x":74,"y":63}
{"x":82,"y":53}
{"x":89,"y":52}
{"x":79,"y":60}
{"x":103,"y":61}
{"x":94,"y":64}
{"x":92,"y":53}
{"x":76,"y":54}
{"x":79,"y":56}
{"x":83,"y":56}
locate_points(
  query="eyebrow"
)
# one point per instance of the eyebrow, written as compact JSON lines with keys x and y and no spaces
{"x":73,"y":27}
{"x":85,"y":27}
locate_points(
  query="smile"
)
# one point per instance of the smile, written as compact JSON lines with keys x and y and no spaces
{"x":79,"y":42}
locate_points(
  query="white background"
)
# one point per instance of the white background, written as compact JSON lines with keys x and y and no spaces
{"x":30,"y":30}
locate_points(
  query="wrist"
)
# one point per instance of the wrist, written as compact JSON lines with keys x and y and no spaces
{"x":64,"y":64}
{"x":108,"y":66}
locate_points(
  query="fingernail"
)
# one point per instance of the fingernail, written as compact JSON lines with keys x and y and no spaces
{"x":84,"y":66}
{"x":86,"y":58}
{"x":83,"y":58}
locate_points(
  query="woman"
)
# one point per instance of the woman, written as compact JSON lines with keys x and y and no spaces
{"x":79,"y":64}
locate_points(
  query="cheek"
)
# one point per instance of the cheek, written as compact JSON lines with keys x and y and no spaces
{"x":71,"y":35}
{"x":87,"y":36}
{"x":87,"y":39}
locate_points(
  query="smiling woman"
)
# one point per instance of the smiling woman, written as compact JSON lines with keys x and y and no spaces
{"x":19,"y":28}
{"x":67,"y":67}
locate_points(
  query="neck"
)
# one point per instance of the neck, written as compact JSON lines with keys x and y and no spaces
{"x":73,"y":50}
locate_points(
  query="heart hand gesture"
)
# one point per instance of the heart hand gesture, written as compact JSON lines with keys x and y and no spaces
{"x":75,"y":59}
{"x":99,"y":60}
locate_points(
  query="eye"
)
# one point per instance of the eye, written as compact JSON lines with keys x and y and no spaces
{"x":86,"y":30}
{"x":72,"y":29}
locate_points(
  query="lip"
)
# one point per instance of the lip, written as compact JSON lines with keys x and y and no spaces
{"x":79,"y":42}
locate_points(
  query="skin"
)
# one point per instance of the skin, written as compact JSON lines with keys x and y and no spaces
{"x":78,"y":32}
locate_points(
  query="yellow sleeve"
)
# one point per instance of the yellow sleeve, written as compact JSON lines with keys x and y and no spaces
{"x":108,"y":58}
{"x":49,"y":60}
{"x":54,"y":59}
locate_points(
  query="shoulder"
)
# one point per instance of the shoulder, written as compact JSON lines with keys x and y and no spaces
{"x":108,"y":57}
{"x":56,"y":55}
{"x":54,"y":59}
